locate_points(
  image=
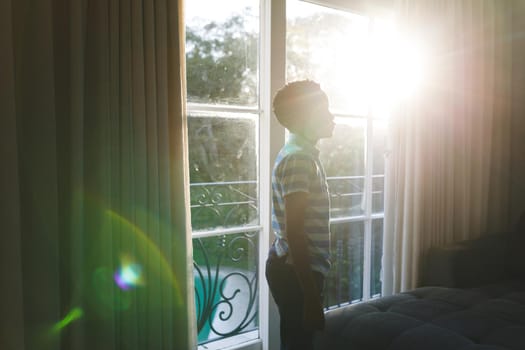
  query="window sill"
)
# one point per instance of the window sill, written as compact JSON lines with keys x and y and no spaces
{"x":245,"y":341}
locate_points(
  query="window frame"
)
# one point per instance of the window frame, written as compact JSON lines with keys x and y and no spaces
{"x":255,"y":339}
{"x":272,"y":76}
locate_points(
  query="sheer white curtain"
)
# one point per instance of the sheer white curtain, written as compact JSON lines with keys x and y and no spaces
{"x":95,"y":244}
{"x":448,"y":169}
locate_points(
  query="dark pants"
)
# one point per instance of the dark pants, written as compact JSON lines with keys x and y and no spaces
{"x":288,"y":295}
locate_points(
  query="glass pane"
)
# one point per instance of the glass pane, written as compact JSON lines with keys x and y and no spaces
{"x":377,"y":254}
{"x":223,"y":170}
{"x":343,"y":156}
{"x":344,"y":283}
{"x":330,"y":47}
{"x":226,"y":285}
{"x":378,"y":181}
{"x":221,"y":51}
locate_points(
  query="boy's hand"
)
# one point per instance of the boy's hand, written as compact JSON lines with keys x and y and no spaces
{"x":313,"y":314}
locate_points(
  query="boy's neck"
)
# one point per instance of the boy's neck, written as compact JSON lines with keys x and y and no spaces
{"x":313,"y":140}
{"x":310,"y":140}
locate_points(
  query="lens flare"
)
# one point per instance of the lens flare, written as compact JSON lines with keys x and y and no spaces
{"x":124,"y":265}
{"x":73,"y":315}
{"x":128,"y":275}
{"x":107,"y":294}
{"x":162,"y":268}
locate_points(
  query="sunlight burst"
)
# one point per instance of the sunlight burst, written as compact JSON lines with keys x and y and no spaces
{"x":396,"y":68}
{"x":386,"y":70}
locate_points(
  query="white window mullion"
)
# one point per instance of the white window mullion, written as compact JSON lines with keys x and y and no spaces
{"x":203,"y":107}
{"x":369,"y":158}
{"x":367,"y":263}
{"x":272,"y":77}
{"x":224,"y":231}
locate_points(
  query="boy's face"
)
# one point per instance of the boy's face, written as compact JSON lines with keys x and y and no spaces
{"x":320,"y":122}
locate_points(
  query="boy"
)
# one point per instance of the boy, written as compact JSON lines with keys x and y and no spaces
{"x":298,"y":259}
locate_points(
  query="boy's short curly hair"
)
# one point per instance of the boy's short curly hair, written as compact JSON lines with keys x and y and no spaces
{"x":293,"y":101}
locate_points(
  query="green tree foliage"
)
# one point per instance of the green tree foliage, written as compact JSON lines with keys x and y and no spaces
{"x":303,"y":38}
{"x":221,"y":63}
{"x":222,"y":149}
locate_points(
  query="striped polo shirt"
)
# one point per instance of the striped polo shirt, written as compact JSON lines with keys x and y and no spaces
{"x":298,"y":169}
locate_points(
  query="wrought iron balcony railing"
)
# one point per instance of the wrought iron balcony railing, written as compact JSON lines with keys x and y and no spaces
{"x":226,"y":226}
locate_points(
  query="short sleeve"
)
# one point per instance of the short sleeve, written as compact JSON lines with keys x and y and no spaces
{"x":296,"y":173}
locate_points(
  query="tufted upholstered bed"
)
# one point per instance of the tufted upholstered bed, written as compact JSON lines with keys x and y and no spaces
{"x":474,"y":299}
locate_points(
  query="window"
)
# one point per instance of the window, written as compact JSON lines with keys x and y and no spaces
{"x":229,"y":81}
{"x":222,"y":45}
{"x":334,"y":48}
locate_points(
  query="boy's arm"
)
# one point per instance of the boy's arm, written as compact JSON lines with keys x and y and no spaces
{"x":295,"y":207}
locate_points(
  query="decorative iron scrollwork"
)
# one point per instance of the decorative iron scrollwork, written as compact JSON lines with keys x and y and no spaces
{"x":226,"y":281}
{"x":226,"y":274}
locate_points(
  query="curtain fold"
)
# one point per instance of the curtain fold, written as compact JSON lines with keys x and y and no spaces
{"x":448,"y":168}
{"x":11,"y":315}
{"x":96,"y":244}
